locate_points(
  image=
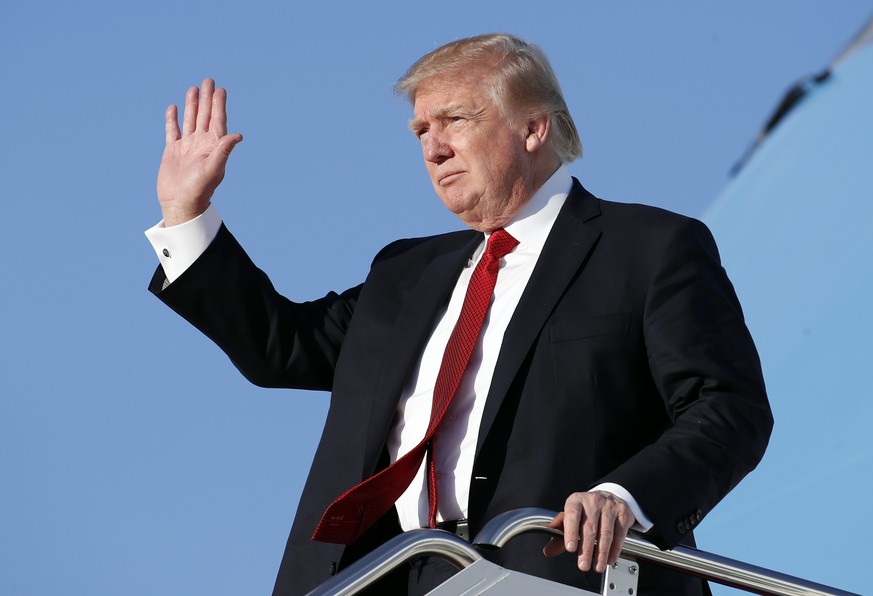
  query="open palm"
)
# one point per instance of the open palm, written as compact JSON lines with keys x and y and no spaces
{"x":194,"y":158}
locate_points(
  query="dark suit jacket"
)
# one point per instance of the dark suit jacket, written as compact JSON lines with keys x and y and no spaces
{"x":627,"y":360}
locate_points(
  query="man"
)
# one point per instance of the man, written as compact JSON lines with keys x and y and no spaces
{"x":612,"y":378}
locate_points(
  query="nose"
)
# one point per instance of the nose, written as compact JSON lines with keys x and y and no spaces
{"x":436,"y":147}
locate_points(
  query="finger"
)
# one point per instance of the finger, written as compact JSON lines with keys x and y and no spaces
{"x":617,"y":542}
{"x":218,"y":121}
{"x":623,"y":523}
{"x":204,"y":110}
{"x":589,"y":537}
{"x":555,"y":546}
{"x":572,"y":519}
{"x":172,"y":124}
{"x":189,"y":118}
{"x":604,"y":540}
{"x":557,"y":522}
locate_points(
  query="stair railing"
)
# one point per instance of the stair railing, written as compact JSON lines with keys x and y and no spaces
{"x":618,"y":579}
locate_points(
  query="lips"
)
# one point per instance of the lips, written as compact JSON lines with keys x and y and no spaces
{"x":449,"y":177}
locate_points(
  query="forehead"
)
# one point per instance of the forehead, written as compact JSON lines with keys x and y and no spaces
{"x":435,"y":95}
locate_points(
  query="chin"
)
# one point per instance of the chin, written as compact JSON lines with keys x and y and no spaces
{"x":458,"y":202}
{"x":456,"y":207}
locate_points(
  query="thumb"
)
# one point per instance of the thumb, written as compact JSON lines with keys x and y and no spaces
{"x":225,"y":146}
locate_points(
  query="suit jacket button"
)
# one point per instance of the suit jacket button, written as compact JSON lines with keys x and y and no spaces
{"x":680,"y":527}
{"x":332,"y":568}
{"x":699,"y":514}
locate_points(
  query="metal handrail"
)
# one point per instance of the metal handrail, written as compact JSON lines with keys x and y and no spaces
{"x":405,"y":547}
{"x":507,"y":526}
{"x":723,"y":570}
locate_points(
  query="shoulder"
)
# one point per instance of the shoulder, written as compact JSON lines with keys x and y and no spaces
{"x":637,"y":221}
{"x":597,"y":210}
{"x":424,"y":248}
{"x":643,"y":232}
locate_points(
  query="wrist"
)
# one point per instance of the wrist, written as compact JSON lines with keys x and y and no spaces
{"x":174,"y":216}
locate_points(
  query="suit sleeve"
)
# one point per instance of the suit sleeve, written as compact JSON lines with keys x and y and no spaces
{"x":273,"y":341}
{"x":705,"y":367}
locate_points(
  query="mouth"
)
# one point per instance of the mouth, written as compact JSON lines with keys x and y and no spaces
{"x":448,"y":177}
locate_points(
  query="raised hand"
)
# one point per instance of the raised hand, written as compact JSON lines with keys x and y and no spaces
{"x":195,"y":157}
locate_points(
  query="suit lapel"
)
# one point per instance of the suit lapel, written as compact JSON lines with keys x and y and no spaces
{"x":569,"y":243}
{"x":414,"y":324}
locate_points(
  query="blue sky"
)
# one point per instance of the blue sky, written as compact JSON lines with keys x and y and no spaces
{"x":133,"y":457}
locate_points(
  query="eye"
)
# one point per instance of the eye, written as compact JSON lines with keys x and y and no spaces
{"x":420,"y":132}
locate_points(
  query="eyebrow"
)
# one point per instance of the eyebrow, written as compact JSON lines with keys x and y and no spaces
{"x":415,"y":125}
{"x":438,"y":113}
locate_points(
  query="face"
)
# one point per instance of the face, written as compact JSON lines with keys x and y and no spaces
{"x":480,"y":167}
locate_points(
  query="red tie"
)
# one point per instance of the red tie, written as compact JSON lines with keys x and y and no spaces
{"x":353,"y":512}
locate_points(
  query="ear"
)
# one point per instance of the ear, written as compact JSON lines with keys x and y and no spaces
{"x":536,"y":132}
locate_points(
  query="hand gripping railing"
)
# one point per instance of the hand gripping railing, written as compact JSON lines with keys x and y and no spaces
{"x":722,"y":570}
{"x":506,"y":526}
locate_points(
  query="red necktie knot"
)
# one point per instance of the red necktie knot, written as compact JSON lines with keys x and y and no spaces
{"x":500,"y":243}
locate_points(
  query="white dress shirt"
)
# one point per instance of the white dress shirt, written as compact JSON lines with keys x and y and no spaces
{"x":177,"y":247}
{"x":459,"y":431}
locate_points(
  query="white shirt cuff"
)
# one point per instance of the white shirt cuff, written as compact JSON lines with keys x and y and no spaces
{"x":179,"y":246}
{"x":643,"y":524}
